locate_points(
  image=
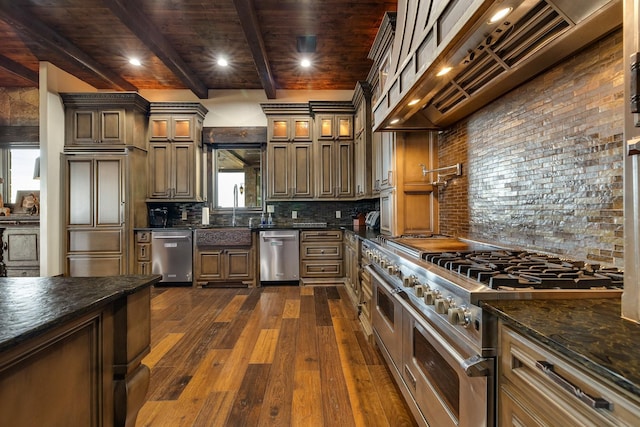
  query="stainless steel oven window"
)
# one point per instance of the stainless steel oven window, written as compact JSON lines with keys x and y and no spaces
{"x":386,"y":307}
{"x":441,"y":376}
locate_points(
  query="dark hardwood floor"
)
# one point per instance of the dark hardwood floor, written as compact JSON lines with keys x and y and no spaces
{"x":270,"y":356}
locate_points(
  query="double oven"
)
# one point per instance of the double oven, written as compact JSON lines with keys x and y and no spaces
{"x":427,"y":321}
{"x":444,"y":383}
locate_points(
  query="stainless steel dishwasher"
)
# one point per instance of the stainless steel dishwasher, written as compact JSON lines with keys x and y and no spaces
{"x":279,"y":256}
{"x":172,"y":255}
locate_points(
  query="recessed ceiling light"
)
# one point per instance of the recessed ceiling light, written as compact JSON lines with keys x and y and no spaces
{"x":223,"y":62}
{"x":500,"y":14}
{"x":443,"y":71}
{"x":305,"y":63}
{"x":394,"y":121}
{"x":413,"y":101}
{"x":135,"y":61}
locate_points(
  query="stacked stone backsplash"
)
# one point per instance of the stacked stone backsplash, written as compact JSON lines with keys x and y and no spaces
{"x":543,"y":165}
{"x":321,"y":211}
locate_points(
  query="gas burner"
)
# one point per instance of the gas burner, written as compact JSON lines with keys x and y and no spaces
{"x":507,"y":269}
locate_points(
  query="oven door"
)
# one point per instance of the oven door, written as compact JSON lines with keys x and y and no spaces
{"x":450,"y":389}
{"x":386,"y":318}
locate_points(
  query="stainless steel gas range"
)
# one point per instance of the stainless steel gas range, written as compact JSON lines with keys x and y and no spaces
{"x":428,"y":322}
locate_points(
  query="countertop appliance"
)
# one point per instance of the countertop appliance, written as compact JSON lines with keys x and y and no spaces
{"x":372,"y":220}
{"x":158,"y":217}
{"x":426,"y":313}
{"x":279,"y":256}
{"x":172,"y":255}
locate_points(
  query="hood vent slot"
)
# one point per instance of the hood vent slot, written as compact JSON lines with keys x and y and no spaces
{"x":505,"y":48}
{"x":535,"y":29}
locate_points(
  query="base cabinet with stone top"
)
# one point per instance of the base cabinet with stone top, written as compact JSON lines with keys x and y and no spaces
{"x":21,"y":250}
{"x":539,"y":387}
{"x":224,"y":257}
{"x":77,"y":360}
{"x":321,"y":254}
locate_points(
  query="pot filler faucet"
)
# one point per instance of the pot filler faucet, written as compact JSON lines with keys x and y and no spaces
{"x":235,"y":204}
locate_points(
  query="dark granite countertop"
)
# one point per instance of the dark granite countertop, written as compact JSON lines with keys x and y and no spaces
{"x":30,"y":306}
{"x":589,"y":332}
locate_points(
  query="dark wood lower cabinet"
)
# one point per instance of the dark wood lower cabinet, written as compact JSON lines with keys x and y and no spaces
{"x":86,"y":371}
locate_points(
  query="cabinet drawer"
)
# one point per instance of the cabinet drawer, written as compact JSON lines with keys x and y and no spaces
{"x":320,"y":235}
{"x":522,"y":382}
{"x":95,"y":241}
{"x":143,"y":236}
{"x":321,"y":269}
{"x":143,"y":251}
{"x":321,"y":251}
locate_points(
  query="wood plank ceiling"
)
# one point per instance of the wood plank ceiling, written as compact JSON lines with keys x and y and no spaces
{"x":179,"y":42}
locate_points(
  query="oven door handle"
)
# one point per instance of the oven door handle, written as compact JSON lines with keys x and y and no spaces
{"x":477,"y":366}
{"x":474,"y":366}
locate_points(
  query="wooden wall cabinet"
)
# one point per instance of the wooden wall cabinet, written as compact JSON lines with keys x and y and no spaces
{"x":310,"y":158}
{"x":287,"y":128}
{"x":21,"y":251}
{"x":334,"y":126}
{"x":290,"y":170}
{"x":103,"y":120}
{"x":143,"y":252}
{"x":321,"y":254}
{"x":175,"y":152}
{"x":363,"y":145}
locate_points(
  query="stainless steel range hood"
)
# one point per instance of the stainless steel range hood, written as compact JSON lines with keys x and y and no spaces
{"x":486,"y":59}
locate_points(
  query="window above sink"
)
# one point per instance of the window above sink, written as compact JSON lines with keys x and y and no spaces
{"x":237,"y":176}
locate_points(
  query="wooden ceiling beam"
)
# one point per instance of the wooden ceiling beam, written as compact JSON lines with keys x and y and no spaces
{"x":251,"y":28}
{"x":140,"y":25}
{"x":32,"y":28}
{"x":19,"y":70}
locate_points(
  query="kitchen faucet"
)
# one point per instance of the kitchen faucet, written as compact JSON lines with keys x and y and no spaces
{"x":235,"y":204}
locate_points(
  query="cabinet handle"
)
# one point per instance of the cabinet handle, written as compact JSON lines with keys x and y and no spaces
{"x":594,"y":402}
{"x":5,"y":246}
{"x":143,"y":251}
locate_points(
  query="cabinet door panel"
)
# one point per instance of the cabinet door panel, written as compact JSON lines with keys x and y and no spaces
{"x":239,"y":264}
{"x":344,"y":169}
{"x":209,"y":265}
{"x":160,"y":173}
{"x":302,"y":170}
{"x":95,"y":241}
{"x":22,"y":247}
{"x":159,"y":128}
{"x":325,"y":182}
{"x":183,"y":129}
{"x":112,"y":126}
{"x":84,"y":127}
{"x":94,"y":266}
{"x":80,"y":196}
{"x":108,"y":191}
{"x":183,"y":170}
{"x":278,"y":170}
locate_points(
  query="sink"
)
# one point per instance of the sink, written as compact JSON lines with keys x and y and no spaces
{"x":225,"y":236}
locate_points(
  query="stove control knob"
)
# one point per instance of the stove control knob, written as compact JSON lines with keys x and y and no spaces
{"x":430,"y":297}
{"x":393,"y":269}
{"x":442,"y":305}
{"x":382,"y":262}
{"x":410,"y":281}
{"x":459,"y":316}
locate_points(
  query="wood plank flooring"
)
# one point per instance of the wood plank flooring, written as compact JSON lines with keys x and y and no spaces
{"x":270,"y":356}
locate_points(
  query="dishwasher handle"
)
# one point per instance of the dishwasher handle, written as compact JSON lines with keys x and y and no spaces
{"x":279,"y":237}
{"x":171,"y":237}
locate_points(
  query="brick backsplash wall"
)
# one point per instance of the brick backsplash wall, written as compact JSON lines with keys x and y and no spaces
{"x":542,"y":165}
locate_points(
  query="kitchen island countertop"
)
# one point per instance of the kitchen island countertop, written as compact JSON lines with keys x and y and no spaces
{"x":30,"y":306}
{"x":589,"y":332}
